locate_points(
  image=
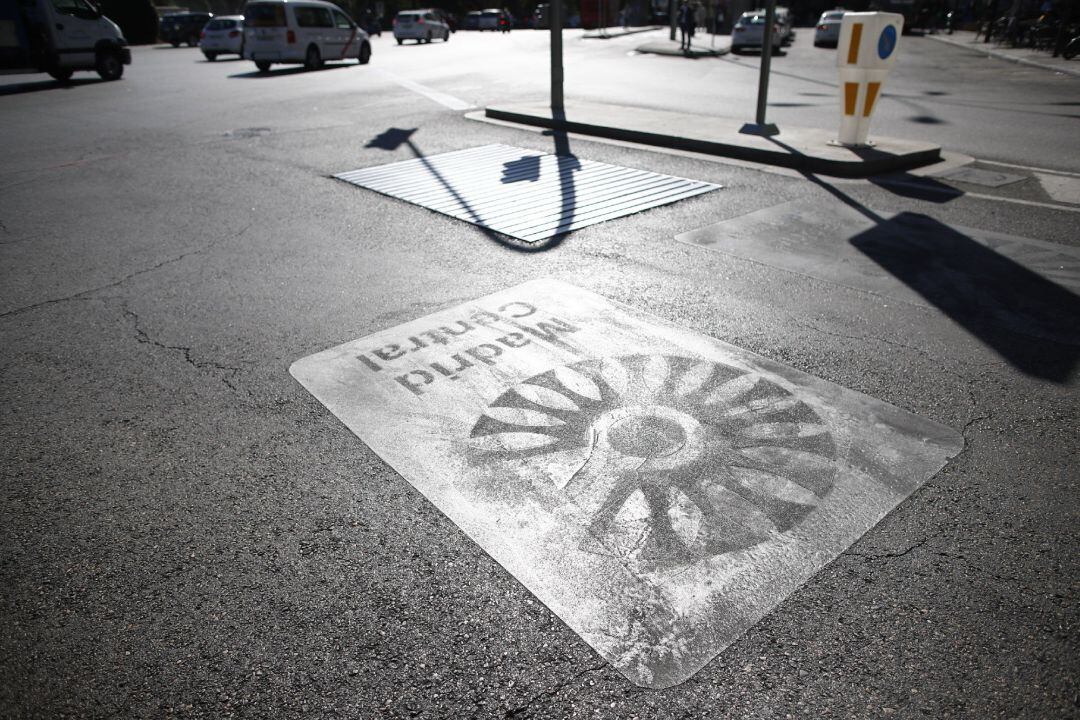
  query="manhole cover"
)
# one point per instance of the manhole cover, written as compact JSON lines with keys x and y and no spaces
{"x":986,"y":178}
{"x":524,"y":194}
{"x":659,"y":490}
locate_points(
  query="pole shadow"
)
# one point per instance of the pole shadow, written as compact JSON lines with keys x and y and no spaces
{"x":526,"y":168}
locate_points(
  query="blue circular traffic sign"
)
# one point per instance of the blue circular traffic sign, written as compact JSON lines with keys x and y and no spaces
{"x":887,"y":42}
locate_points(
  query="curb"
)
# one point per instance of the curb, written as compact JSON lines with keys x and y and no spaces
{"x":662,"y":48}
{"x":999,"y":55}
{"x":593,"y":35}
{"x":888,"y":156}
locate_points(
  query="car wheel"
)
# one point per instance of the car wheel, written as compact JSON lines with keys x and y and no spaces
{"x":312,"y":59}
{"x":108,"y":65}
{"x":365,"y":54}
{"x":446,"y":37}
{"x":400,"y":40}
{"x":428,"y":38}
{"x":61,"y":74}
{"x":210,"y":56}
{"x":263,"y":65}
{"x":192,"y":40}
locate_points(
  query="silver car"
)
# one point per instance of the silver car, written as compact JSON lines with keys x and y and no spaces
{"x":421,"y":26}
{"x":827,"y":32}
{"x":223,"y":35}
{"x":749,"y":32}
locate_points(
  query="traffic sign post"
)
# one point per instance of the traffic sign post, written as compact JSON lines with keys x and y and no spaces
{"x":556,"y":56}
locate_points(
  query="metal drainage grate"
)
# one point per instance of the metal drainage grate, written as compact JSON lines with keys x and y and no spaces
{"x":525,"y":194}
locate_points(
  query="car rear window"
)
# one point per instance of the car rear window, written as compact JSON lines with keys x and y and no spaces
{"x":265,"y":15}
{"x":313,"y":17}
{"x":834,"y":16}
{"x":408,"y":17}
{"x":221,"y":25}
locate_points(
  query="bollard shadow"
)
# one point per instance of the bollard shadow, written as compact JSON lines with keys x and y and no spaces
{"x":525,"y":168}
{"x":1027,"y":319}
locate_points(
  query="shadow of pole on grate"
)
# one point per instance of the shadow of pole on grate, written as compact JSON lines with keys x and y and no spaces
{"x":393,"y":138}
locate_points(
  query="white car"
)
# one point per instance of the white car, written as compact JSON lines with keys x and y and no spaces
{"x":301,"y":31}
{"x":827,"y":32}
{"x":421,"y":26}
{"x":749,"y":32}
{"x":223,"y":35}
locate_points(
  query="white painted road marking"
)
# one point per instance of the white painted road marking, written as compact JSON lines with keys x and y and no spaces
{"x":659,"y":490}
{"x":440,"y":97}
{"x":1062,"y":188}
{"x":525,"y":194}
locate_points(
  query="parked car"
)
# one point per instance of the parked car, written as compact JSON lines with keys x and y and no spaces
{"x":59,"y":38}
{"x":749,"y":32}
{"x":224,"y":35}
{"x":827,"y":32}
{"x":301,"y":31}
{"x":489,"y":19}
{"x":183,"y":27}
{"x":786,"y":23}
{"x":472,"y":20}
{"x":421,"y":26}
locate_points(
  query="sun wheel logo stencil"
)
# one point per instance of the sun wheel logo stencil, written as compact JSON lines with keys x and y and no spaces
{"x":669,"y":460}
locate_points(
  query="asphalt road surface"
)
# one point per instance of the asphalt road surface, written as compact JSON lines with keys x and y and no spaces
{"x":187,"y":532}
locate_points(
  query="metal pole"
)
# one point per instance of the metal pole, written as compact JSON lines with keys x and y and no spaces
{"x":671,"y":17}
{"x":555,"y":15}
{"x":766,"y":57}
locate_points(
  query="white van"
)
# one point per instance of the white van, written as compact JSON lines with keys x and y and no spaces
{"x":60,"y":37}
{"x":301,"y":31}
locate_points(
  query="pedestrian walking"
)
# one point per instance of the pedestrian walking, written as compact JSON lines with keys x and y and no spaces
{"x":686,"y":25}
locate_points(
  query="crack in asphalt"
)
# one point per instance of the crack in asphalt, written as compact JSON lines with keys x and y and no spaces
{"x":891,"y":555}
{"x":126,"y":278}
{"x":517,"y":711}
{"x":230,"y":371}
{"x":967,"y":382}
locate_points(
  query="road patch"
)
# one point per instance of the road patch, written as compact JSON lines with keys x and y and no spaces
{"x":977,"y":176}
{"x":657,"y":489}
{"x":525,"y":194}
{"x":978,"y":277}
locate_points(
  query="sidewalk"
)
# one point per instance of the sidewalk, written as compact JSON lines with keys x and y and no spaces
{"x":1024,"y":56}
{"x":614,"y":32}
{"x":803,"y":149}
{"x":703,"y":48}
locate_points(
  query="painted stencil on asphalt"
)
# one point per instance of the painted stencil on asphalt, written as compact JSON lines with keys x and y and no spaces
{"x":659,"y":490}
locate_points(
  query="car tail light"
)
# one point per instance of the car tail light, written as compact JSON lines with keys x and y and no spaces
{"x":290,"y":37}
{"x":202,"y":34}
{"x":234,"y":33}
{"x":395,"y":22}
{"x":821,"y":26}
{"x":420,"y":21}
